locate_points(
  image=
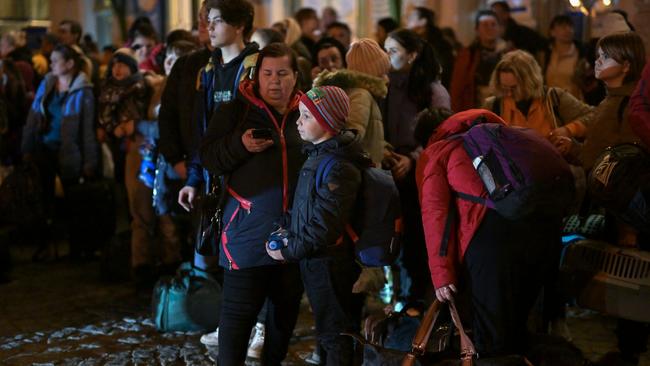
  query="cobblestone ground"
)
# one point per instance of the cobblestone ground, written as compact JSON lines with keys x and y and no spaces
{"x":59,"y":313}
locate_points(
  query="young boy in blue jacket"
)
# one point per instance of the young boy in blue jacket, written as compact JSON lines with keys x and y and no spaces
{"x":316,"y":237}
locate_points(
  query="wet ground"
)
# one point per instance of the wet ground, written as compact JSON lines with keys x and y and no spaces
{"x":59,"y":313}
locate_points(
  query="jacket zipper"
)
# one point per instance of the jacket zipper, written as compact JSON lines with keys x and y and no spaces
{"x":285,"y":159}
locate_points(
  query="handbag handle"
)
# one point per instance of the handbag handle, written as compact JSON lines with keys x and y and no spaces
{"x":467,"y":349}
{"x":423,"y":333}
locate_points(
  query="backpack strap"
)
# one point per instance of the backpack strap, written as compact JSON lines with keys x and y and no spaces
{"x":323,"y":170}
{"x":452,"y":212}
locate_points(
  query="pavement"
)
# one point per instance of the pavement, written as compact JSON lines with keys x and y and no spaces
{"x":63,"y":313}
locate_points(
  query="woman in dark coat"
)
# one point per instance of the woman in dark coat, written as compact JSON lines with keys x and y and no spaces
{"x":261,"y":176}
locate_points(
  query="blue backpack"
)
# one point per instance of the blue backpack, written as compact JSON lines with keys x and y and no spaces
{"x":376,"y":227}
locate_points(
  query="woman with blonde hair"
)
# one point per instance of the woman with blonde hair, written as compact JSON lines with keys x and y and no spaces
{"x":520,"y":98}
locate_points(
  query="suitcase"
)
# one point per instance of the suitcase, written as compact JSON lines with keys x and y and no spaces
{"x":608,"y":279}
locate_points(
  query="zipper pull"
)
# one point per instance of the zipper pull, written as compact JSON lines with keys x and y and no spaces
{"x":229,"y":265}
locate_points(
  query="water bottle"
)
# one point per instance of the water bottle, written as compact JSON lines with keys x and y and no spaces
{"x":276,"y":239}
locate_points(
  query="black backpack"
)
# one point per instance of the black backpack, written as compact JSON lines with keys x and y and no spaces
{"x":377,"y":225}
{"x":618,"y":174}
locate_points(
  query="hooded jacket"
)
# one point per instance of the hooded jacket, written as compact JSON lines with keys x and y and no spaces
{"x":444,"y":168}
{"x":79,"y":150}
{"x":318,"y":219}
{"x":260,"y":185}
{"x":365,"y":115}
{"x":217,"y":83}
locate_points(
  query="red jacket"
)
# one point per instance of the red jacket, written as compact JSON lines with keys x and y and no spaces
{"x":640,"y":107}
{"x":444,"y":168}
{"x":462,"y":90}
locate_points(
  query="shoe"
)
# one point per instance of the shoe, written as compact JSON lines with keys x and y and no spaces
{"x":313,"y":358}
{"x":560,"y":328}
{"x":257,"y":343}
{"x":211,"y":339}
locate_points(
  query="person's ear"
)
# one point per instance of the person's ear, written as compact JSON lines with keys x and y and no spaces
{"x":626,"y":67}
{"x":412,"y":56}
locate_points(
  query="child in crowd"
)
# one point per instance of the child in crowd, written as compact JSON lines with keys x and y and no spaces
{"x":316,"y":235}
{"x":123,"y":97}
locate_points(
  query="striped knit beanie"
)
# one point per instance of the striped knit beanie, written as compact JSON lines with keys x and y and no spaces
{"x":367,"y":57}
{"x":329,"y":105}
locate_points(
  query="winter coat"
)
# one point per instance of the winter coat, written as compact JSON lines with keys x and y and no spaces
{"x":400,"y":112}
{"x":444,"y":168}
{"x":365,"y":115}
{"x":218,"y":83}
{"x":610,"y":125}
{"x":177,"y":107}
{"x":79,"y":150}
{"x":122,"y":100}
{"x":318,"y":220}
{"x":565,"y":110}
{"x":463,"y":81}
{"x":640,"y":107}
{"x":260,"y":185}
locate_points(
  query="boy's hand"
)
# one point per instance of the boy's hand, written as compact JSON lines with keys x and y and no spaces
{"x":275,"y":254}
{"x":255,"y":145}
{"x":186,"y":197}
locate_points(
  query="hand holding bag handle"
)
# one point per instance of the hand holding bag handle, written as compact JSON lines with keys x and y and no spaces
{"x":467,"y":349}
{"x":421,"y":337}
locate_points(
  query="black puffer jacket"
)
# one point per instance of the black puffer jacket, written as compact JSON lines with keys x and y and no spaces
{"x":175,"y":120}
{"x":260,"y":186}
{"x":318,"y":219}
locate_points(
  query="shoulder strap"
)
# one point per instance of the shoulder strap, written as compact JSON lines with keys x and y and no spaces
{"x":421,"y":338}
{"x":552,"y":104}
{"x":324,"y":168}
{"x":467,"y":349}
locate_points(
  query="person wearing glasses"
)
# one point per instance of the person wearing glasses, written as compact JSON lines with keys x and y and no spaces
{"x":521,"y":99}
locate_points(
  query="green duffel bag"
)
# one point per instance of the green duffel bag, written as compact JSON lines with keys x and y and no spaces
{"x":189,"y":301}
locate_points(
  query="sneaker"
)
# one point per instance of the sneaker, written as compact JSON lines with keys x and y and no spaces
{"x":211,"y":339}
{"x":257,"y":343}
{"x":313,"y":358}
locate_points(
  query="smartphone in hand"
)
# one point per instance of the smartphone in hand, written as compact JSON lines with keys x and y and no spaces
{"x":262,"y":133}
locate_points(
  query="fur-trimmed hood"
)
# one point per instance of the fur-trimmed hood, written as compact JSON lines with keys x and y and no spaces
{"x":348,"y":79}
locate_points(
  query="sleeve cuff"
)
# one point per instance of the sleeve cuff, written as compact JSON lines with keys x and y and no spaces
{"x":576,"y":128}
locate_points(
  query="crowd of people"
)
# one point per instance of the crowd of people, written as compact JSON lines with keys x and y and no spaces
{"x":230,"y":124}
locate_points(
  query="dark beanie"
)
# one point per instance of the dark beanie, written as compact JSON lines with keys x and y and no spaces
{"x":125,"y":55}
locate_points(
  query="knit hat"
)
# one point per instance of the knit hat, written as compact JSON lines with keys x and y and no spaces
{"x":329,"y":105}
{"x":367,"y":57}
{"x":126,"y":56}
